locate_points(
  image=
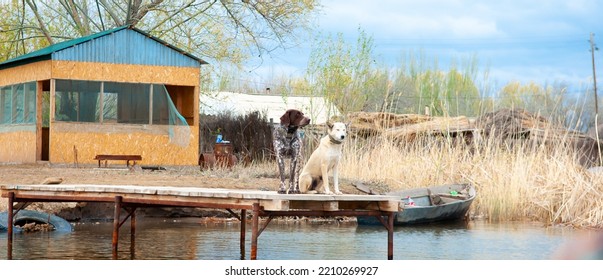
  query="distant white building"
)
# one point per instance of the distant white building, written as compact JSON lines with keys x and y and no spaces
{"x":316,"y":108}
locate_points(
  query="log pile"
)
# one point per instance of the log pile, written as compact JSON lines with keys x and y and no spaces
{"x":407,"y":127}
{"x":435,"y":127}
{"x":368,"y":124}
{"x":521,"y":124}
{"x":509,"y":126}
{"x":503,"y":124}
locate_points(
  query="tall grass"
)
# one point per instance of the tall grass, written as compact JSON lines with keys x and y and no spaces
{"x":514,"y":181}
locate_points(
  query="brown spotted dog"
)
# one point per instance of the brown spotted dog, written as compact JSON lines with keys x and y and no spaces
{"x":287,"y":141}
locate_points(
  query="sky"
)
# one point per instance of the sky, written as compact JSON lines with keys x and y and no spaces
{"x":545,"y":42}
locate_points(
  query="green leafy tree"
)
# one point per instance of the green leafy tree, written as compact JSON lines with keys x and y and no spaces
{"x":416,"y":85}
{"x":341,"y":72}
{"x":531,"y":96}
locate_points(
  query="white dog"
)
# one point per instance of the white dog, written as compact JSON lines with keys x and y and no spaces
{"x":315,"y":175}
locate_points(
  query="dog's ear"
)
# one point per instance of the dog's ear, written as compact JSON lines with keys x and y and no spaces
{"x":286,"y":119}
{"x":295,"y":116}
{"x":329,"y":124}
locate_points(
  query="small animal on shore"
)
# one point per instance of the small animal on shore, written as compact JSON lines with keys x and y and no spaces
{"x":325,"y":159}
{"x":287,"y":141}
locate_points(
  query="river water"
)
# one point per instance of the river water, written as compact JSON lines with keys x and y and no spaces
{"x":194,"y":239}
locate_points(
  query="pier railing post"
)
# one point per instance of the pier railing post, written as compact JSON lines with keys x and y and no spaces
{"x":116,"y":216}
{"x":9,"y":245}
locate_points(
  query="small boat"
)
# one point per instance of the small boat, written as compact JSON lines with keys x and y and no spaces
{"x":430,"y":204}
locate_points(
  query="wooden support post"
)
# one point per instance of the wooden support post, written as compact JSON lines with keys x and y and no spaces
{"x":390,"y":236}
{"x":9,"y":224}
{"x":243,"y":221}
{"x":116,"y":216}
{"x":265,"y":225}
{"x":254,"y":230}
{"x":133,"y":234}
{"x":232,"y":213}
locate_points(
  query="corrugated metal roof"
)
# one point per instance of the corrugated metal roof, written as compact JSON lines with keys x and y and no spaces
{"x":50,"y":51}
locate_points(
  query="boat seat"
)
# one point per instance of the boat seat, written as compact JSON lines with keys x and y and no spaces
{"x":435,"y":199}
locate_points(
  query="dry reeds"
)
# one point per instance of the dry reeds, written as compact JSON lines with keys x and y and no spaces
{"x":524,"y":181}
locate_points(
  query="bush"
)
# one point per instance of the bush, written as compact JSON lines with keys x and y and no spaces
{"x":250,"y":135}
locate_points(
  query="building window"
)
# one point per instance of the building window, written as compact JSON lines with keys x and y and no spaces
{"x":77,"y":101}
{"x":131,"y":102}
{"x":29,"y":109}
{"x":18,"y":104}
{"x":6,"y":105}
{"x":161,"y":113}
{"x":128,"y":103}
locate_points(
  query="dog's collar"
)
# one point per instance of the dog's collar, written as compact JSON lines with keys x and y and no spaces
{"x":291,"y":129}
{"x":335,"y":141}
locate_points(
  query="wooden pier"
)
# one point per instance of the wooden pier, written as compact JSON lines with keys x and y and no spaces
{"x":261,"y":204}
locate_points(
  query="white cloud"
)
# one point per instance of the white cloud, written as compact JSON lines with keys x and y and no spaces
{"x":538,"y":40}
{"x":471,"y":27}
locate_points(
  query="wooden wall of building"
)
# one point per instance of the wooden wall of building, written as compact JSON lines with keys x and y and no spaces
{"x":89,"y":139}
{"x":150,"y":141}
{"x":18,"y":146}
{"x":35,"y":71}
{"x":18,"y":143}
{"x":92,"y":71}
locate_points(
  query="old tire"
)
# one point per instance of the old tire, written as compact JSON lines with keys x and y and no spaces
{"x":28,"y":216}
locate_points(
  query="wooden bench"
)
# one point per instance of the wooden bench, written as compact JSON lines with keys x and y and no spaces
{"x":127,"y":158}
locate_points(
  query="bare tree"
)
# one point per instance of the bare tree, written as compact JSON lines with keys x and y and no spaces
{"x":223,"y":30}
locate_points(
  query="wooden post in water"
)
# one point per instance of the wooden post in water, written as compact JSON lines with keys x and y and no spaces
{"x":243,"y":222}
{"x":9,"y":245}
{"x":254,"y":230}
{"x":390,"y":236}
{"x":133,"y":234}
{"x":116,"y":217}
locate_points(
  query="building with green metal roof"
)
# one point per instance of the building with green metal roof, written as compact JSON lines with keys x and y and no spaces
{"x":116,"y":92}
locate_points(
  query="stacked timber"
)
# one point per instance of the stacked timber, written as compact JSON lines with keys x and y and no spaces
{"x":521,"y":124}
{"x":508,"y":126}
{"x":436,"y":126}
{"x":368,"y":123}
{"x":406,"y":127}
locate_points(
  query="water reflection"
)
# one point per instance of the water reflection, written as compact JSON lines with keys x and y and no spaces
{"x":193,"y":239}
